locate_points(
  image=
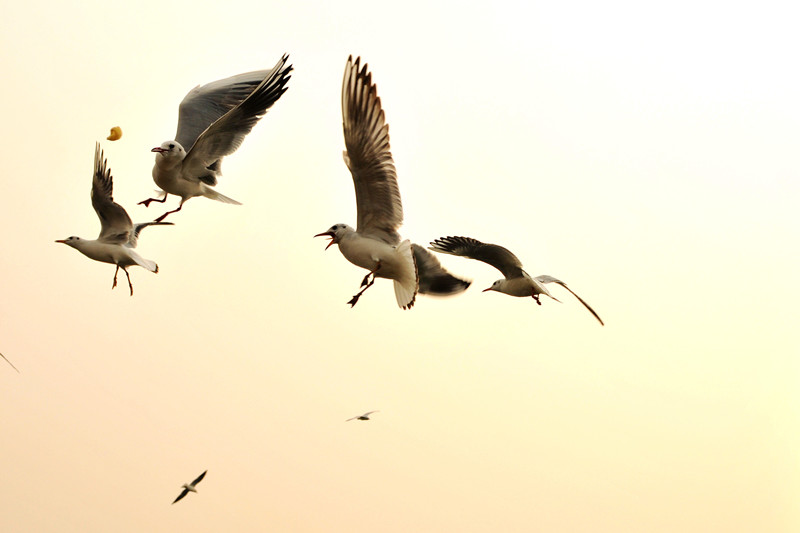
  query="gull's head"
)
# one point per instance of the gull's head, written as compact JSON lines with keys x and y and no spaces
{"x":169,"y":150}
{"x":496,"y":286}
{"x":71,"y":241}
{"x":335,"y":232}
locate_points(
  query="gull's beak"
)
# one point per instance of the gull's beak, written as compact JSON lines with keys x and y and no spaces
{"x":62,"y":241}
{"x":484,"y":290}
{"x":158,"y":149}
{"x":327,"y":234}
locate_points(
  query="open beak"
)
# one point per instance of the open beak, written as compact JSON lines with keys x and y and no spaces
{"x":326,"y":234}
{"x":159,"y":149}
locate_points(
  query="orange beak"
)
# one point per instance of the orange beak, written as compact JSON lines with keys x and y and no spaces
{"x":326,"y":234}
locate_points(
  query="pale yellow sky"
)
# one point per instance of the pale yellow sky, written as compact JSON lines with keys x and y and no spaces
{"x":645,"y":155}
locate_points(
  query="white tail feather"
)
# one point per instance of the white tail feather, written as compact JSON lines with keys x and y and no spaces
{"x":407,"y":284}
{"x":214,"y":195}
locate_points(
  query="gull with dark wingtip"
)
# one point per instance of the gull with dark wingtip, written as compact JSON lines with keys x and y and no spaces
{"x":118,"y":235}
{"x":517,"y":282}
{"x":190,"y":487}
{"x":375,"y":244}
{"x":365,"y":416}
{"x":213,"y":121}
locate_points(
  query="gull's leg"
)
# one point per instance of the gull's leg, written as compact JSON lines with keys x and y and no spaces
{"x":365,"y":281}
{"x":115,"y":278}
{"x":162,"y":217}
{"x":146,"y":203}
{"x":129,"y":279}
{"x":535,"y":297}
{"x":355,"y":298}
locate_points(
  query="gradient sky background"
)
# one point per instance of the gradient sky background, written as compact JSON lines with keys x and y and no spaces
{"x":647,"y":155}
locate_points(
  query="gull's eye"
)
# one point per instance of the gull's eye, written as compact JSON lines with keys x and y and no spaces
{"x":171,"y":146}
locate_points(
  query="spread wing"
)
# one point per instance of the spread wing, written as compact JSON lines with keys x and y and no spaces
{"x":9,"y":362}
{"x":497,"y":256}
{"x":366,"y":137}
{"x":115,"y":224}
{"x":224,"y":136}
{"x":550,"y":279}
{"x":137,"y":228}
{"x":199,"y":478}
{"x":181,"y":495}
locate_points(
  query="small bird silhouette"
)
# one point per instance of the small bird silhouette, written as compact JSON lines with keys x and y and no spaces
{"x":365,"y":416}
{"x":190,"y":487}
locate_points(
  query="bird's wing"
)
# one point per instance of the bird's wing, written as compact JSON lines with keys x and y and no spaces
{"x":433,"y":278}
{"x":199,"y":478}
{"x":9,"y":362}
{"x":366,"y":137}
{"x":115,"y":224}
{"x":349,"y":419}
{"x":137,"y":228}
{"x":369,"y":413}
{"x":497,"y":256}
{"x":205,"y":104}
{"x":181,"y":495}
{"x":550,"y":279}
{"x":225,"y":135}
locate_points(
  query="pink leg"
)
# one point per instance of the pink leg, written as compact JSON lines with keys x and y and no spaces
{"x":115,"y":278}
{"x":162,"y":217}
{"x":129,"y":279}
{"x":146,"y":203}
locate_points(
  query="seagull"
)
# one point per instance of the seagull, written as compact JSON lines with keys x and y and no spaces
{"x":190,"y":487}
{"x":118,"y":235}
{"x":365,"y":416}
{"x":213,"y":120}
{"x":9,"y":362}
{"x":375,"y":244}
{"x":517,"y":282}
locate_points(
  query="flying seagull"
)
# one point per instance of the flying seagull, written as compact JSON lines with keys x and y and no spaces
{"x":118,"y":235}
{"x":365,"y":416}
{"x":213,"y":120}
{"x":375,"y":244}
{"x":517,"y":282}
{"x":190,"y":487}
{"x":9,"y":362}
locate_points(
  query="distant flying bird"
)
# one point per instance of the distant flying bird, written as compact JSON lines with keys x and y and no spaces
{"x":190,"y":487}
{"x":517,"y":282}
{"x":375,"y":244}
{"x":213,"y":121}
{"x":365,"y":416}
{"x":118,"y":235}
{"x":9,"y":362}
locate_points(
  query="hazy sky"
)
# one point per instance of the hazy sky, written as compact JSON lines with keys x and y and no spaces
{"x":647,"y":155}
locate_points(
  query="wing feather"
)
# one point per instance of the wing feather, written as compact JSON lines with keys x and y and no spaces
{"x":224,"y":136}
{"x":115,"y":224}
{"x":368,"y":155}
{"x":497,"y":256}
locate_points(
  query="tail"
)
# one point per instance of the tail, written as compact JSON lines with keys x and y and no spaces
{"x":407,"y":283}
{"x":144,"y":263}
{"x":214,"y":195}
{"x":433,"y":278}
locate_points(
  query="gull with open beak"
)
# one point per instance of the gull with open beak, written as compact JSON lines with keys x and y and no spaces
{"x":517,"y":282}
{"x":118,"y":235}
{"x":375,"y":244}
{"x":213,"y":121}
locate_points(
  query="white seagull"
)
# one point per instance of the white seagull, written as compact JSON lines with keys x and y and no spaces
{"x":190,"y":487}
{"x":118,"y":235}
{"x":213,"y":121}
{"x":365,"y":416}
{"x":375,"y":244}
{"x":517,"y":282}
{"x":9,"y":362}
